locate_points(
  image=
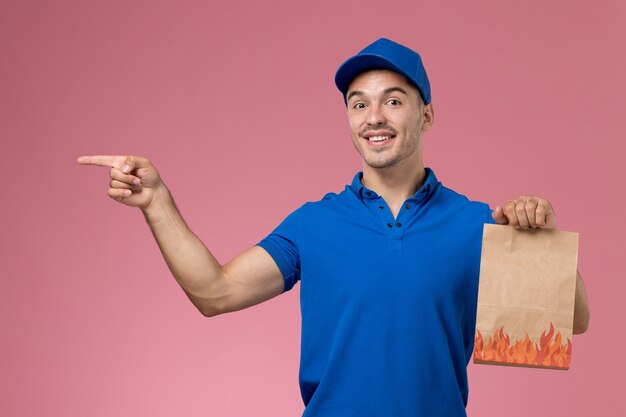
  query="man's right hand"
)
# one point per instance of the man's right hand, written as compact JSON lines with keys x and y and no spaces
{"x":248,"y":279}
{"x":134,"y":180}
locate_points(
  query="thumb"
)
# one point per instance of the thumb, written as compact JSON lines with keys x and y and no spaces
{"x":133,"y":162}
{"x":499,"y":217}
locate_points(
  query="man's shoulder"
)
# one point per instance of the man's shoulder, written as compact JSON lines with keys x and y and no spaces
{"x":457,"y":196}
{"x":327,"y":200}
{"x":331,"y":201}
{"x":456,"y":200}
{"x":329,"y":196}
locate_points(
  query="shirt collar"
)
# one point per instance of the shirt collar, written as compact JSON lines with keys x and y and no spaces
{"x":430,"y":184}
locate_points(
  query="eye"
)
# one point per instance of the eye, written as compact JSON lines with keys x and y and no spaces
{"x":359,"y":106}
{"x":393,"y":102}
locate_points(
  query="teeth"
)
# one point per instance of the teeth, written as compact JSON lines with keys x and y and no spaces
{"x":378,"y":138}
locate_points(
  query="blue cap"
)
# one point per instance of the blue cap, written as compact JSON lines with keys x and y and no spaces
{"x":385,"y":54}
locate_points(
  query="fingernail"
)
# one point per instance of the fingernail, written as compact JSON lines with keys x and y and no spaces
{"x":136,"y":181}
{"x":126,"y":168}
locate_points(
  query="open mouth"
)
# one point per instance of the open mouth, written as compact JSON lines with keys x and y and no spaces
{"x":379,"y":139}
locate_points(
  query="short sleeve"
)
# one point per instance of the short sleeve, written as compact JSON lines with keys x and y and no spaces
{"x":282,"y":246}
{"x":490,"y":219}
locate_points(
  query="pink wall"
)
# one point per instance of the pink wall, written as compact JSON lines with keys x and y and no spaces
{"x":235,"y":104}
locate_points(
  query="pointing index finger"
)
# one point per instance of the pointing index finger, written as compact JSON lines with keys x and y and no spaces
{"x":102,"y":160}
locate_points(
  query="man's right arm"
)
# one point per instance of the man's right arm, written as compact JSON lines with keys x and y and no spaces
{"x":248,"y":279}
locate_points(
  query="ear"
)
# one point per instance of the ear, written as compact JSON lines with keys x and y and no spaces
{"x":428,"y":113}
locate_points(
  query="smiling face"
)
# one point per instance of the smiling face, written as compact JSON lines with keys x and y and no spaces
{"x":387,"y":117}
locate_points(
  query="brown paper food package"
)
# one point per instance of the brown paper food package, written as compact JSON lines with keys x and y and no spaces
{"x":526,"y":297}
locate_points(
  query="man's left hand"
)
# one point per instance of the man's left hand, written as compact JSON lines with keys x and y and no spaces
{"x":526,"y":211}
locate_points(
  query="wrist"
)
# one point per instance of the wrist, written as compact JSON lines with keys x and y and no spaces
{"x":161,"y":201}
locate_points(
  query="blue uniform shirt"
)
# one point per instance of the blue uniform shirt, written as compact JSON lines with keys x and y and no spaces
{"x":388,"y":305}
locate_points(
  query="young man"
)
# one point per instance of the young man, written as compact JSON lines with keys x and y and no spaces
{"x":388,"y":268}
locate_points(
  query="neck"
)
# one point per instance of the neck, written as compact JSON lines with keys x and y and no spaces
{"x":395,"y":184}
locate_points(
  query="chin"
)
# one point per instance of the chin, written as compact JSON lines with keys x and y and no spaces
{"x":380,"y":164}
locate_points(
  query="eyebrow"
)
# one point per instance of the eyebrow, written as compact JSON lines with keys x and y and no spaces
{"x":385,"y":92}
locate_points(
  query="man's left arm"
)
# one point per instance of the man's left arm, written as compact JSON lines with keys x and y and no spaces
{"x":533,"y":212}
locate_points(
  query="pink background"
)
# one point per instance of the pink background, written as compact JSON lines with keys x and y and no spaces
{"x":235,"y":104}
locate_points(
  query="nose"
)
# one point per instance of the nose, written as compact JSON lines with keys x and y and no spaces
{"x":375,"y":115}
